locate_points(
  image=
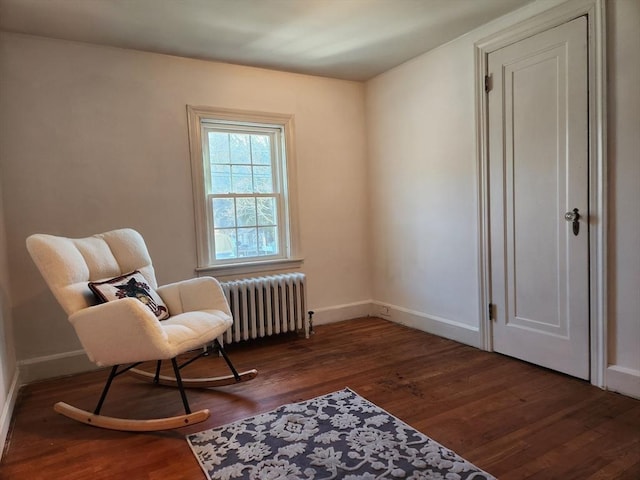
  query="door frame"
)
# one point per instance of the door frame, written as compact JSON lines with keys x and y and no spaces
{"x":594,"y":10}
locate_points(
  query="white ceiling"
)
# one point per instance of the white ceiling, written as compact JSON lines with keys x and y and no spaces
{"x":348,"y":39}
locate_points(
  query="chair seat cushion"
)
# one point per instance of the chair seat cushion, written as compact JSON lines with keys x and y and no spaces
{"x":190,"y":330}
{"x":132,"y":285}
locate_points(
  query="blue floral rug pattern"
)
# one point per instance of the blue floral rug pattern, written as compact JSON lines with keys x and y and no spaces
{"x":336,"y":436}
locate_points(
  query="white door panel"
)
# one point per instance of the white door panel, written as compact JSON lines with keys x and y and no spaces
{"x":538,"y":161}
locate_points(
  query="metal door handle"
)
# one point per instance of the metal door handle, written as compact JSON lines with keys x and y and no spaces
{"x":575,"y":218}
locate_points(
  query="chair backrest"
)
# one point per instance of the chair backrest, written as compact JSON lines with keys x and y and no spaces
{"x":69,"y":264}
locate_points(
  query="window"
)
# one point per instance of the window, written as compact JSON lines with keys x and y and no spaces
{"x":242,"y":164}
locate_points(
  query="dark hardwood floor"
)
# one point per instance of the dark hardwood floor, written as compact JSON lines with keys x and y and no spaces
{"x":510,"y":418}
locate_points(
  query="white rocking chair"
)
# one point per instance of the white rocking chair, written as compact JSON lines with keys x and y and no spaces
{"x":128,"y":331}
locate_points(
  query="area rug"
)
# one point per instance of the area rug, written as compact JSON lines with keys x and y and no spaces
{"x":340,"y":435}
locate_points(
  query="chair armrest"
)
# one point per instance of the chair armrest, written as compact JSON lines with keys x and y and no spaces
{"x":196,"y":294}
{"x":119,"y":332}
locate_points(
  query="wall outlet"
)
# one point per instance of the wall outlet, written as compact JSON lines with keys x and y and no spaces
{"x":384,"y":311}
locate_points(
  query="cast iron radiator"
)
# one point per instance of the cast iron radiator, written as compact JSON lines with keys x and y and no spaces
{"x":268,"y":305}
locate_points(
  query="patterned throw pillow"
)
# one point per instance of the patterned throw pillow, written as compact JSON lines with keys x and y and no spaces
{"x":130,"y":285}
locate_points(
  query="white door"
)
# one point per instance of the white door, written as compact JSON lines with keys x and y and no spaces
{"x":538,"y":174}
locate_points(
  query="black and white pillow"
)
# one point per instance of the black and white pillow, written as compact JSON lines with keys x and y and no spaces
{"x":132,"y":285}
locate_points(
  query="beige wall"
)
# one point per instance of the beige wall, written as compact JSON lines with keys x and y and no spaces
{"x":624,"y":190}
{"x":424,"y":177}
{"x":95,"y":138}
{"x":423,"y":168}
{"x":8,"y":372}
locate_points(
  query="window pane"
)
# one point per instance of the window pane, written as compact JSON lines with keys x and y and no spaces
{"x":263,"y":179}
{"x":241,"y":180}
{"x":246,"y":211}
{"x":220,"y":179}
{"x":261,"y":149}
{"x":218,"y":147}
{"x":267,"y":212}
{"x":240,"y":148}
{"x":225,"y":244}
{"x":267,"y":241}
{"x":224,"y":215}
{"x":247,"y":242}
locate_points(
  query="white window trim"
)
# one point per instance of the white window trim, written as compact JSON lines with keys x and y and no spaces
{"x":195,"y":116}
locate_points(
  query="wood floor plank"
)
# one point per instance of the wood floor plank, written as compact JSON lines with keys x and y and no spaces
{"x":513,"y":419}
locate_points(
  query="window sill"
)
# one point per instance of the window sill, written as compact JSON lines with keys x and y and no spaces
{"x":250,"y":267}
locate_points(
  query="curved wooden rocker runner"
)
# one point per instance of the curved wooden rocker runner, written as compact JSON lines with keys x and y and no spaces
{"x":126,"y":329}
{"x":166,"y":423}
{"x":123,"y":424}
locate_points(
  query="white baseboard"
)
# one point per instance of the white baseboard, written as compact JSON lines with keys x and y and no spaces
{"x":457,"y":331}
{"x":338,"y":313}
{"x":623,"y":380}
{"x":442,"y":327}
{"x":7,"y":410}
{"x":51,"y":366}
